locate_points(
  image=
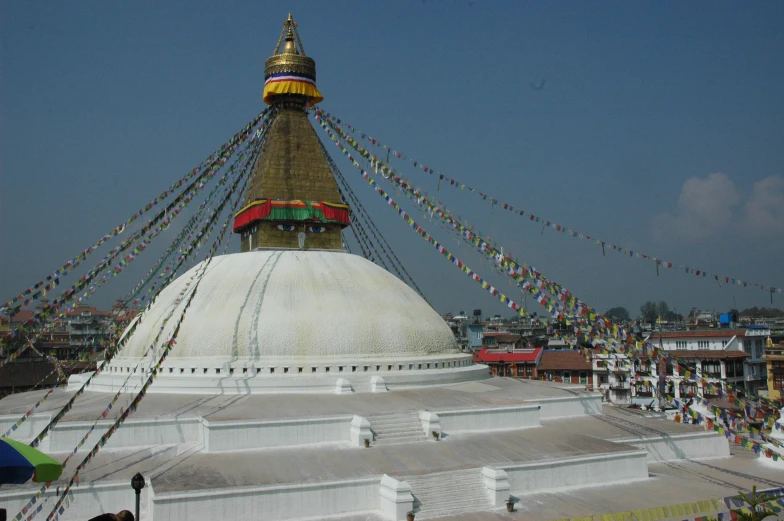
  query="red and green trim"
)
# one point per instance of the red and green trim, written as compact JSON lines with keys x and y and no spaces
{"x":291,"y":211}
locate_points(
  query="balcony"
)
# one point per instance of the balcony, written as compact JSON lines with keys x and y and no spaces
{"x":620,"y":385}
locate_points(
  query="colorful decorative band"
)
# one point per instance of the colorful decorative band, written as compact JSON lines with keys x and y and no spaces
{"x":288,"y":76}
{"x":297,"y":211}
{"x":291,"y":83}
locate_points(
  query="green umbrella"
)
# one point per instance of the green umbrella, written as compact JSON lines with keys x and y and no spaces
{"x":19,"y":462}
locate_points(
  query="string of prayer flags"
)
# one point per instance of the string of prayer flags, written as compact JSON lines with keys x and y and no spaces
{"x":46,"y":284}
{"x":157,"y":224}
{"x":429,"y":238}
{"x":545,"y":222}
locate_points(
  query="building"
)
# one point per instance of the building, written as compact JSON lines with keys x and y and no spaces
{"x":476,"y":332}
{"x":749,"y":340}
{"x":566,"y":366}
{"x":502,"y":340}
{"x":774,"y":365}
{"x":89,"y":326}
{"x":612,"y":376}
{"x":509,"y":361}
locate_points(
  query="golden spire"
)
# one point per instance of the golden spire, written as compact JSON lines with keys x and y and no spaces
{"x":289,"y":71}
{"x":292,"y":195}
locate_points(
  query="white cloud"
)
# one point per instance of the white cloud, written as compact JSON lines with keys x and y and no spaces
{"x":765,"y":207}
{"x":707,"y":206}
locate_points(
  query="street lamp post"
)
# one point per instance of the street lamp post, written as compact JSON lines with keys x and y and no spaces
{"x":137,"y":483}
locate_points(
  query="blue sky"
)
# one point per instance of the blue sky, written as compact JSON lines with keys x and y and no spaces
{"x":659,"y":128}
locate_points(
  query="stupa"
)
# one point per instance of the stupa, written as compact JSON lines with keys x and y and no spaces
{"x":293,"y":312}
{"x":308,"y":383}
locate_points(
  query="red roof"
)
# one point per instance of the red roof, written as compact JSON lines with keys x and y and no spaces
{"x":710,"y":333}
{"x":487,"y":354}
{"x":23,"y":316}
{"x":564,"y":360}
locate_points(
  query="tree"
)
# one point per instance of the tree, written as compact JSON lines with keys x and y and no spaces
{"x":662,"y":309}
{"x":671,"y":316}
{"x":762,"y":312}
{"x":754,"y":500}
{"x":648,"y":311}
{"x":618,"y":313}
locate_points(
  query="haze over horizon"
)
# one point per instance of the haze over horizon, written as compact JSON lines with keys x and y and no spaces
{"x":653,"y":127}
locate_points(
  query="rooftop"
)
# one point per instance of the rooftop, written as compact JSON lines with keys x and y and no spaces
{"x":508,"y":355}
{"x":564,"y":360}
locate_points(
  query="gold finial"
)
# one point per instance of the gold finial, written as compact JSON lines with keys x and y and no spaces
{"x":289,"y":70}
{"x":290,"y":33}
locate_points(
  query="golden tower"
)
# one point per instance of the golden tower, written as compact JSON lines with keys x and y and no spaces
{"x":292,"y":190}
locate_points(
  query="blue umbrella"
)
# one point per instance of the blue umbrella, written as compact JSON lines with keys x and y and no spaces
{"x":20,"y":462}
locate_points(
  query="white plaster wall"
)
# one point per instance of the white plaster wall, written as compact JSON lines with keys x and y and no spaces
{"x":28,"y":430}
{"x":459,"y":369}
{"x":133,"y":433}
{"x":90,"y":500}
{"x":613,"y":467}
{"x":269,"y":502}
{"x":682,"y":446}
{"x":295,"y":303}
{"x":580,"y":405}
{"x":488,"y":419}
{"x":239,"y":435}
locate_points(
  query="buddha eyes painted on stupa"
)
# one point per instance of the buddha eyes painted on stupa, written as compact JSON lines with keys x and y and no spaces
{"x":312,"y":228}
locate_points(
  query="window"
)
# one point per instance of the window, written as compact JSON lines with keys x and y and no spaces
{"x":583,"y":377}
{"x":778,"y":381}
{"x":680,"y":344}
{"x":723,"y":343}
{"x":703,"y":344}
{"x":711,"y":369}
{"x":567,"y":377}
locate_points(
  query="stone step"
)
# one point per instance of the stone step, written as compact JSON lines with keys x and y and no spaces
{"x":477,"y":473}
{"x":474,"y":477}
{"x":398,"y":426}
{"x":398,"y":441}
{"x":466,"y":504}
{"x":394,"y":423}
{"x":448,"y":493}
{"x":406,"y":434}
{"x":434,"y":514}
{"x":452,"y":484}
{"x":436,"y":499}
{"x":395,"y":428}
{"x":380,"y":432}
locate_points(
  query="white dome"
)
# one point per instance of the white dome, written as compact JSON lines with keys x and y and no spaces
{"x":273,"y":304}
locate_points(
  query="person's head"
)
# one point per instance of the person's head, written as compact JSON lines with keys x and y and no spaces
{"x":125,"y":515}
